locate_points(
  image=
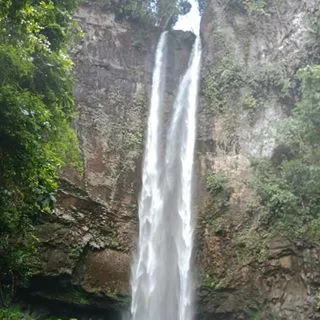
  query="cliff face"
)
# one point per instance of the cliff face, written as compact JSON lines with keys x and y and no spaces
{"x":86,"y":245}
{"x":242,"y":273}
{"x":251,"y":52}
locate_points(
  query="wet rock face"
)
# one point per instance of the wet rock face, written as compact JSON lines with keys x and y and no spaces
{"x":88,"y":242}
{"x":246,"y":55}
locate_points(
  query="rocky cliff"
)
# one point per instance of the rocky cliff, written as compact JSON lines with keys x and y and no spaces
{"x":252,"y":49}
{"x":242,"y":272}
{"x":86,"y":245}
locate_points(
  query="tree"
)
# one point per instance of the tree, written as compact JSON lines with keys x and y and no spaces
{"x":163,"y":13}
{"x":36,"y":110}
{"x":168,"y":12}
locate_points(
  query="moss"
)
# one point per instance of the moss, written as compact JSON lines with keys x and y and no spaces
{"x":254,"y":315}
{"x":133,"y":139}
{"x":108,"y":233}
{"x":213,"y":282}
{"x":121,"y":299}
{"x":79,"y":297}
{"x":252,"y":8}
{"x":231,"y":86}
{"x":216,"y":183}
{"x":217,"y":186}
{"x":74,"y":251}
{"x":13,"y":313}
{"x":256,"y":7}
{"x":133,"y":136}
{"x":71,"y":295}
{"x":222,"y":85}
{"x":214,"y":212}
{"x":251,"y":245}
{"x":130,"y":11}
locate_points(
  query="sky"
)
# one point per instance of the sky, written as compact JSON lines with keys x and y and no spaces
{"x":190,"y":21}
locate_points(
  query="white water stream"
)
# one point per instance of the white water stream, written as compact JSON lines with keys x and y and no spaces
{"x":162,"y":272}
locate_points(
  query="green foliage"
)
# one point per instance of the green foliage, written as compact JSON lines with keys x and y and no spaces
{"x":289,"y":185}
{"x":211,"y":282}
{"x":314,"y":37}
{"x":129,"y":10}
{"x":218,"y":187}
{"x":274,"y":192}
{"x":133,"y":139}
{"x":222,"y":84}
{"x":70,"y":295}
{"x":163,"y":13}
{"x":255,"y":315}
{"x":251,"y":245}
{"x":258,"y":7}
{"x":216,"y":183}
{"x":36,"y":110}
{"x":13,"y":313}
{"x":230,"y":87}
{"x":167,"y":11}
{"x":251,"y":7}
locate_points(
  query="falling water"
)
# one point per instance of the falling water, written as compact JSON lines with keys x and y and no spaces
{"x":179,"y":166}
{"x":161,"y":273}
{"x":146,"y":269}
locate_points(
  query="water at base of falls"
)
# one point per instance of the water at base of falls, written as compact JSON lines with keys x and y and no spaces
{"x":161,"y":272}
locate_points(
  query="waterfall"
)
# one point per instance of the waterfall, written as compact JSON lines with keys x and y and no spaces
{"x":179,"y":165}
{"x":146,"y":269}
{"x":161,"y":272}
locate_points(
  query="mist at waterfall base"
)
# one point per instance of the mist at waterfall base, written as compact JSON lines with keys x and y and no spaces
{"x":162,"y":269}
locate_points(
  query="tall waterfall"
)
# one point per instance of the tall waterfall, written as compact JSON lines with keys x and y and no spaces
{"x":161,"y":273}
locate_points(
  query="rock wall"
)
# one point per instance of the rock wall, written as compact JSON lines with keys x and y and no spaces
{"x":241,"y":272}
{"x":86,"y":245}
{"x":250,"y":50}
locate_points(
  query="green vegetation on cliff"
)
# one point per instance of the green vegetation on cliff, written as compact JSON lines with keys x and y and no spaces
{"x":286,"y":197}
{"x":36,"y":111}
{"x":163,"y":13}
{"x":15,"y":313}
{"x":288,"y":185}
